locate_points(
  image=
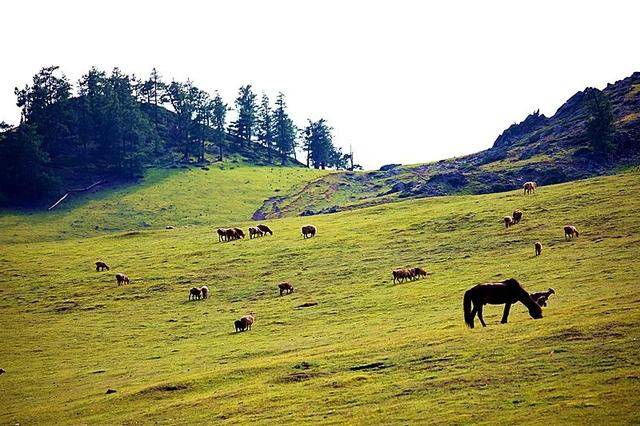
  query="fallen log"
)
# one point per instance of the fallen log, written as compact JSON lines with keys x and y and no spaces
{"x":75,"y":191}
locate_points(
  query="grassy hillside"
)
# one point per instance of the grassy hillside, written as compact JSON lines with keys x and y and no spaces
{"x":217,"y":197}
{"x":69,"y":333}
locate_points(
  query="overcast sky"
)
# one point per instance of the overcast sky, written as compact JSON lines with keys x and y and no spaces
{"x":401,"y":81}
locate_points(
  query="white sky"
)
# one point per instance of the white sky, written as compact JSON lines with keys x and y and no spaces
{"x":402,"y":81}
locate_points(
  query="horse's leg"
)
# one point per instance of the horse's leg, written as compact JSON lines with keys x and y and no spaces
{"x":505,"y":314}
{"x":474,"y":310}
{"x":480,"y":316}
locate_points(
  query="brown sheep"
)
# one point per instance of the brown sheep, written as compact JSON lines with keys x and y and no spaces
{"x":308,"y":230}
{"x":239,"y":232}
{"x":529,"y":187}
{"x":265,"y":229}
{"x":101,"y":266}
{"x":399,"y":275}
{"x":248,"y":320}
{"x":517,"y":216}
{"x":285,"y":288}
{"x":240,"y":325}
{"x":231,"y":234}
{"x":538,"y":246}
{"x":508,"y":221}
{"x":205,"y":291}
{"x":570,"y":232}
{"x":255,"y":232}
{"x":195,"y":293}
{"x":222,"y":234}
{"x":418,"y":272}
{"x":122,"y":279}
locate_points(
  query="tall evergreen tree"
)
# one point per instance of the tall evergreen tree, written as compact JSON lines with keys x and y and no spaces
{"x":284,"y":131}
{"x":219,"y":117}
{"x":245,"y":103}
{"x":264,"y":130}
{"x":182,"y":98}
{"x":600,"y":126}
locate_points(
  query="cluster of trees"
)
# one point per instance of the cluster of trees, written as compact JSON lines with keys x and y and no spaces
{"x":600,"y":126}
{"x":113,"y":124}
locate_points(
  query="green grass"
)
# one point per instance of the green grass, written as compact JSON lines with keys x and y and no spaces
{"x":225,"y":193}
{"x":69,"y":333}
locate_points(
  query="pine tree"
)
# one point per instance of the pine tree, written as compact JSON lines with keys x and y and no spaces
{"x":600,"y":126}
{"x":219,"y":116}
{"x":245,"y":103}
{"x":284,"y":131}
{"x":264,"y":131}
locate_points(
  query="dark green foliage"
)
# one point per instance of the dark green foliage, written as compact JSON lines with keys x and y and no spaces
{"x":600,"y":124}
{"x":243,"y":127}
{"x":219,"y":119}
{"x":264,"y":130}
{"x":318,"y":144}
{"x":284,"y":131}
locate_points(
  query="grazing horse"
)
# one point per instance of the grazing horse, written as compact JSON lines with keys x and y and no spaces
{"x":122,"y":279}
{"x":517,"y":216}
{"x":506,"y":292}
{"x":101,"y":266}
{"x":222,"y":234}
{"x":400,"y":275}
{"x":195,"y":293}
{"x":265,"y":229}
{"x":255,"y":232}
{"x":508,"y":221}
{"x":541,"y":297}
{"x":240,"y":325}
{"x":529,"y":187}
{"x":570,"y":231}
{"x":538,"y":247}
{"x":285,"y":288}
{"x":248,"y":320}
{"x":308,"y":230}
{"x":205,"y":291}
{"x":418,"y":272}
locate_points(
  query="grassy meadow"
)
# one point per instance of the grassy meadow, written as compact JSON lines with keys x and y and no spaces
{"x":369,"y":352}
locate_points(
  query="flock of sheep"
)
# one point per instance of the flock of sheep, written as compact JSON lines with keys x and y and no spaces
{"x":511,"y":288}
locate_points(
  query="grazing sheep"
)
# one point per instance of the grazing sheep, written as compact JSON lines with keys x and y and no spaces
{"x":205,"y":291}
{"x":248,"y":320}
{"x":255,"y":232}
{"x":308,"y":231}
{"x":231,"y":234}
{"x":517,"y":216}
{"x":541,"y":297}
{"x":508,"y":221}
{"x":418,"y":272}
{"x":570,"y":231}
{"x":399,"y":275}
{"x":265,"y":229}
{"x":240,"y":325}
{"x":195,"y":293}
{"x":222,"y":234}
{"x":529,"y":187}
{"x":101,"y":266}
{"x":538,"y":247}
{"x":285,"y":288}
{"x":122,"y":279}
{"x":239,"y":232}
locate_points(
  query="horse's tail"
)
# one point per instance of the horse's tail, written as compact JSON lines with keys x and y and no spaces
{"x":466,"y":306}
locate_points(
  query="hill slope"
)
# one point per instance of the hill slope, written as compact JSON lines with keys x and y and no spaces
{"x":369,"y":352}
{"x":543,"y":149}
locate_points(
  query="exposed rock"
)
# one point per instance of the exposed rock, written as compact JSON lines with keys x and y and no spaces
{"x":388,"y":167}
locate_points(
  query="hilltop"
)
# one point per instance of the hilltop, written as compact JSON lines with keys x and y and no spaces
{"x":368,"y":352}
{"x":544,"y":149}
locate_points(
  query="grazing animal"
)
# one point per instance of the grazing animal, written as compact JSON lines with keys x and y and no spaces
{"x":538,"y":247}
{"x":205,"y":291}
{"x":541,"y":297}
{"x":239,"y":232}
{"x":265,"y":229}
{"x":2,"y":371}
{"x":231,"y":234}
{"x":122,"y":279}
{"x":222,"y":234}
{"x":240,"y":325}
{"x":506,"y":292}
{"x":570,"y":232}
{"x":308,"y":231}
{"x":255,"y":232}
{"x":508,"y":221}
{"x":248,"y":320}
{"x":169,"y":227}
{"x":418,"y":272}
{"x":195,"y":293}
{"x":101,"y":266}
{"x":517,"y":216}
{"x":529,"y":187}
{"x":285,"y":288}
{"x":399,"y":275}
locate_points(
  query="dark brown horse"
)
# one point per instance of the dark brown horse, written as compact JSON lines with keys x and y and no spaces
{"x":506,"y":292}
{"x":265,"y":229}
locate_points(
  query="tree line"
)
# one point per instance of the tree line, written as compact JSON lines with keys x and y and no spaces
{"x":114,"y":124}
